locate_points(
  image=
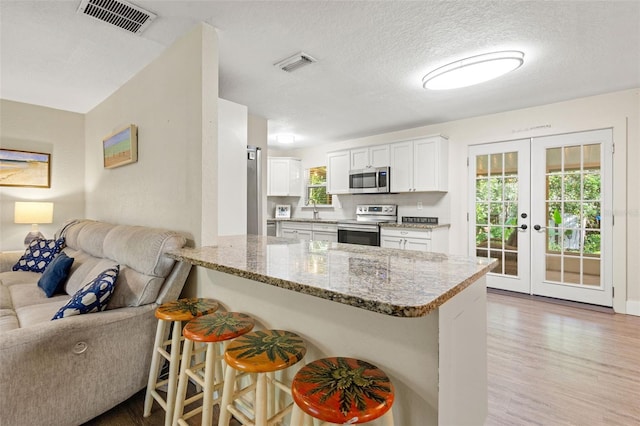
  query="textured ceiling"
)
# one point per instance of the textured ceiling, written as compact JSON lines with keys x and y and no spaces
{"x":371,"y":56}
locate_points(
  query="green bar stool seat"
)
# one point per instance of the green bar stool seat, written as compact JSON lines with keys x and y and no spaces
{"x":170,"y":317}
{"x":342,"y":391}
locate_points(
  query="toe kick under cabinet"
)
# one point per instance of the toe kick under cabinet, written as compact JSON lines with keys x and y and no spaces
{"x":432,"y":239}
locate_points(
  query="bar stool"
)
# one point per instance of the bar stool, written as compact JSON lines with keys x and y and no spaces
{"x":171,"y":314}
{"x":212,"y":330}
{"x":342,"y":391}
{"x":261,"y":352}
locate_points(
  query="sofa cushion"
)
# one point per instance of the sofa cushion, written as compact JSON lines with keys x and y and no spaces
{"x":8,"y":320}
{"x":5,"y":298}
{"x":39,"y":314}
{"x":93,"y":297}
{"x":31,"y":294}
{"x":84,"y":269}
{"x":38,"y":255}
{"x":142,"y":248}
{"x":12,"y":278}
{"x":54,"y":276}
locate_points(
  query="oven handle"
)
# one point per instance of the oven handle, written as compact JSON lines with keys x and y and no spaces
{"x":359,"y":228}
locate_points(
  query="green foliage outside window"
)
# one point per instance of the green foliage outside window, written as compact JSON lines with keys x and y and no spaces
{"x":317,"y":186}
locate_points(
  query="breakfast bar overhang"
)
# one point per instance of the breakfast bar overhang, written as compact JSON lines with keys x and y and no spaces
{"x":421,"y":317}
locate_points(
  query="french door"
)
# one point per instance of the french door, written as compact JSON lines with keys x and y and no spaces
{"x":542,"y":207}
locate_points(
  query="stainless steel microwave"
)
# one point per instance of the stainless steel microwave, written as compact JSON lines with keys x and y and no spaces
{"x":375,"y":180}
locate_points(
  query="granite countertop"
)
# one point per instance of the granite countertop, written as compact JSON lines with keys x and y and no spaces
{"x":414,"y":225}
{"x":387,"y":281}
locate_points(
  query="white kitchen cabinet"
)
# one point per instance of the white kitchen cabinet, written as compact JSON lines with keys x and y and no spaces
{"x":367,"y":157}
{"x":420,"y":165}
{"x":325,"y":232}
{"x":429,"y":240}
{"x":296,"y":230}
{"x":284,"y":176}
{"x":338,"y":172}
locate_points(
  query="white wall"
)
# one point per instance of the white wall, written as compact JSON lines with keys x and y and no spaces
{"x":232,"y":168}
{"x":173,"y":101}
{"x":619,"y":110}
{"x":59,"y":133}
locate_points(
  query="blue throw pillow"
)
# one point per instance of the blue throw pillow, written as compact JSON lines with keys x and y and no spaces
{"x":54,"y":276}
{"x":93,"y":297}
{"x":39,"y":254}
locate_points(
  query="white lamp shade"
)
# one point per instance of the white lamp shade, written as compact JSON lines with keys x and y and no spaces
{"x":33,"y":212}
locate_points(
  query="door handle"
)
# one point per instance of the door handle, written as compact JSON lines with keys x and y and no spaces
{"x":538,"y":227}
{"x":523,"y":226}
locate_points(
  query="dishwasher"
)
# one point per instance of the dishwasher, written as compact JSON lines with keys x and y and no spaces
{"x":271,"y":228}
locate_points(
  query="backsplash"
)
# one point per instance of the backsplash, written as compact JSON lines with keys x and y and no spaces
{"x":433,"y":204}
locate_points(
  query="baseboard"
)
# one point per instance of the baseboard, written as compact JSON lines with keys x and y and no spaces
{"x":633,"y":307}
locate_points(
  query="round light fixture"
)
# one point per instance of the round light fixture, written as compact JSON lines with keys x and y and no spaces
{"x":285,"y":138}
{"x":473,"y":70}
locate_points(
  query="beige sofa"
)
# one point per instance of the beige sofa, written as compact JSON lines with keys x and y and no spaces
{"x":67,"y":371}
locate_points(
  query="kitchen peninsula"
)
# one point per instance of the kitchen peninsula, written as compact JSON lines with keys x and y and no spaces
{"x":419,"y":316}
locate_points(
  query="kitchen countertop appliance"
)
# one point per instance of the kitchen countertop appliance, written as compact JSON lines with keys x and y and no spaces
{"x":365,"y":229}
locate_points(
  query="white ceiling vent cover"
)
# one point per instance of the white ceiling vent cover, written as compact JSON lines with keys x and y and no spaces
{"x":294,"y":62}
{"x":119,"y":13}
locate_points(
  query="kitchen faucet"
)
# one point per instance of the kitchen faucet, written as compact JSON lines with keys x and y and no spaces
{"x":315,"y":209}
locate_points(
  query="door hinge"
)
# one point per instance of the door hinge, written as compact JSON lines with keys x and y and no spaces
{"x":467,"y":216}
{"x":613,"y":148}
{"x":613,"y":292}
{"x":613,"y":220}
{"x":467,"y":161}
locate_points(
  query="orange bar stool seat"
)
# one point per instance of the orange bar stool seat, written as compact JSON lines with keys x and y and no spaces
{"x":342,"y":391}
{"x":260,"y":354}
{"x":170,"y":317}
{"x":212,"y":330}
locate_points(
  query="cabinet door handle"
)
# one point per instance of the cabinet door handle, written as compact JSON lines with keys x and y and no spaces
{"x":404,"y":232}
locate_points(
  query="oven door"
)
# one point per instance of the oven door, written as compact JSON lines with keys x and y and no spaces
{"x":366,"y":235}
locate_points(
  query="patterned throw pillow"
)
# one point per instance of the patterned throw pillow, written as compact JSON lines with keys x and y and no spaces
{"x":93,"y":297}
{"x":38,"y":255}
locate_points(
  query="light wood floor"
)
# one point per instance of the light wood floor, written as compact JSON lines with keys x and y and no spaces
{"x":548,"y":365}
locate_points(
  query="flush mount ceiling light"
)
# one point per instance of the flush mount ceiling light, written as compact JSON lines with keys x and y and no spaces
{"x":473,"y":70}
{"x":285,"y":138}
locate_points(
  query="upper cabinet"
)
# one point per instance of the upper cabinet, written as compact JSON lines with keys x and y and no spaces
{"x":373,"y":156}
{"x":338,"y":172}
{"x":284,"y":176}
{"x":420,"y":165}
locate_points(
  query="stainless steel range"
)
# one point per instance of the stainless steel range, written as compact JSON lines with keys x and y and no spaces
{"x":365,"y":229}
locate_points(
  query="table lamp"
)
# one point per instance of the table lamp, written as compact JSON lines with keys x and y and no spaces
{"x":34,"y":213}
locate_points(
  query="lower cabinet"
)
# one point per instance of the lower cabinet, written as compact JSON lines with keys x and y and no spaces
{"x":325,"y":232}
{"x":431,"y":240}
{"x":309,"y":231}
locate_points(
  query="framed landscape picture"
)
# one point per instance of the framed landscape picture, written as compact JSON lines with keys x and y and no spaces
{"x":121,"y":147}
{"x":25,"y":168}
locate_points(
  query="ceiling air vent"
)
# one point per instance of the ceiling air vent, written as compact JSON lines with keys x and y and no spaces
{"x":294,"y":62}
{"x":119,"y":13}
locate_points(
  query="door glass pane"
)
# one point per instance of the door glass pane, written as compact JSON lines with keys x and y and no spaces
{"x":482,"y":213}
{"x":497,"y":210}
{"x":482,"y":165}
{"x":573,"y":215}
{"x":496,"y":164}
{"x":482,"y":190}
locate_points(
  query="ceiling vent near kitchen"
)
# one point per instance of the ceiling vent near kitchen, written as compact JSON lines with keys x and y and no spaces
{"x":294,"y":62}
{"x":119,"y":13}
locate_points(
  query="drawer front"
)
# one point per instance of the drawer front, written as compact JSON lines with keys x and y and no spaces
{"x":325,"y":227}
{"x":296,"y":225}
{"x":406,"y":233}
